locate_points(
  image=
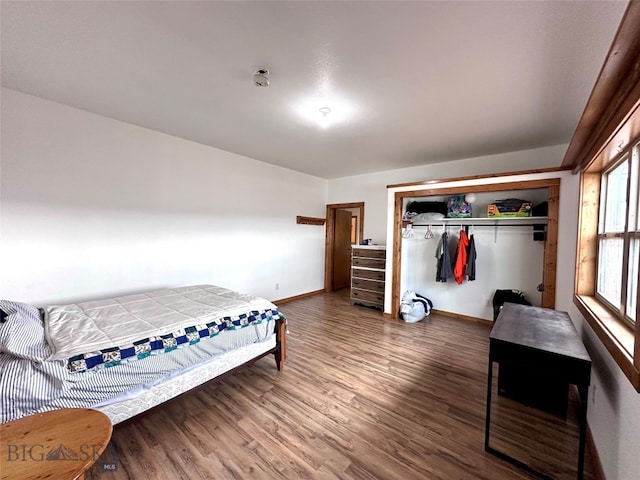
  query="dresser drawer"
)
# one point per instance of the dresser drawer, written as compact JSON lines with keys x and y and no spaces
{"x":367,"y":285}
{"x":368,"y":253}
{"x":368,"y":262}
{"x":368,"y":274}
{"x":371,"y":297}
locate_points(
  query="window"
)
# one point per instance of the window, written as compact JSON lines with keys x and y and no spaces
{"x":607,"y":270}
{"x":617,"y":266}
{"x":634,"y":237}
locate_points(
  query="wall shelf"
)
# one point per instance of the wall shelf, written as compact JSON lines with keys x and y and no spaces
{"x":309,"y":220}
{"x":494,"y":222}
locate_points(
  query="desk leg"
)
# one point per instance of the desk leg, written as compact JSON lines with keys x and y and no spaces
{"x":488,"y":414}
{"x":584,"y":402}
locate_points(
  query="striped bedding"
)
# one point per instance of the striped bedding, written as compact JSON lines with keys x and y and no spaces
{"x":27,"y":381}
{"x":32,"y":380}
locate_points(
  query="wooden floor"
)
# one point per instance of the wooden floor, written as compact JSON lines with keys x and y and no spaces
{"x":360,"y":397}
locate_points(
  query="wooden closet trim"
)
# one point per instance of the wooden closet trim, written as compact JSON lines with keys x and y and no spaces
{"x":550,"y":246}
{"x":427,"y":183}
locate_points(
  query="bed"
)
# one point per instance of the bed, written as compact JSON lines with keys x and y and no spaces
{"x":125,"y":355}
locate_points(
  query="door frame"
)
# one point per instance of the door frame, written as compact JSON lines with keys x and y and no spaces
{"x":330,"y":238}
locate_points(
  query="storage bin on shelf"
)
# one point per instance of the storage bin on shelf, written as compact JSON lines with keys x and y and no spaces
{"x":511,"y":207}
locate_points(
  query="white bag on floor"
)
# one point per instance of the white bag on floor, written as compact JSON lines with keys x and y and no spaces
{"x":414,"y":307}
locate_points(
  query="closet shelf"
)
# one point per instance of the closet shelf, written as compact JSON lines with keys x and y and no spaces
{"x":479,"y":221}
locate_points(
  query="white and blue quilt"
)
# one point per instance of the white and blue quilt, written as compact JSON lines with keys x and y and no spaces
{"x":105,"y":333}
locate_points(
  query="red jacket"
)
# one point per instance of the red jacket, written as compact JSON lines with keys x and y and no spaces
{"x":461,"y":258}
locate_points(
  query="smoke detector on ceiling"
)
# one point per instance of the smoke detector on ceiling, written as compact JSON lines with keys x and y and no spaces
{"x":261,"y":77}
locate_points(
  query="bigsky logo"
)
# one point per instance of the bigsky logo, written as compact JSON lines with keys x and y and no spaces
{"x":108,"y":461}
{"x":62,"y":453}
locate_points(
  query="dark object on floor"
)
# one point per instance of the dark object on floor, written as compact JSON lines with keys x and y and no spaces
{"x":507,"y":296}
{"x":533,"y":387}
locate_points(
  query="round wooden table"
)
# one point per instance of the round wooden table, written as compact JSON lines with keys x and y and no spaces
{"x":61,"y":444}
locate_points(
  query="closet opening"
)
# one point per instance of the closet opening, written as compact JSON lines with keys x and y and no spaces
{"x":512,"y":253}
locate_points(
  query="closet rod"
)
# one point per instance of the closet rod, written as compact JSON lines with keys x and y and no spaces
{"x":480,"y":221}
{"x":483,"y":224}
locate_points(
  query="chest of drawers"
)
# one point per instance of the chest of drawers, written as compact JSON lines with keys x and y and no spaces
{"x":368,"y":275}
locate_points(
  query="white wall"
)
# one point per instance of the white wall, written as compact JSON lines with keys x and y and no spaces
{"x":372,"y":190}
{"x":92,"y":207}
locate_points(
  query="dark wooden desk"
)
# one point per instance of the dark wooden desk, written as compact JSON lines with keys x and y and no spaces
{"x":544,"y":341}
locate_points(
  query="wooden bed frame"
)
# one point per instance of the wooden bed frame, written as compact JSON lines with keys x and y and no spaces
{"x":280,"y":351}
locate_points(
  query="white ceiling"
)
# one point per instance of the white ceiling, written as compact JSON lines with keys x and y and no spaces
{"x":421,"y":82}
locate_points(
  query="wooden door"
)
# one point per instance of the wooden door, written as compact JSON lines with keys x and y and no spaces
{"x":342,"y":250}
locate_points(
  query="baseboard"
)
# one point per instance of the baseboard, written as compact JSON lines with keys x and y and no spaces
{"x":297,"y":297}
{"x":459,"y":316}
{"x":598,"y":471}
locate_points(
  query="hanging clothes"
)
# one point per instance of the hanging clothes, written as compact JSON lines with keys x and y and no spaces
{"x":443,"y":266}
{"x":461,"y":258}
{"x":471,"y":259}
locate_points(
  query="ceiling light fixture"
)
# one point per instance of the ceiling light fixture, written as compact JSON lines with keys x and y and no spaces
{"x":325,"y":120}
{"x":325,"y":110}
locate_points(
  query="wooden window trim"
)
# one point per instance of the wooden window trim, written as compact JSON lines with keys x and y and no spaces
{"x":620,"y":337}
{"x":614,"y":334}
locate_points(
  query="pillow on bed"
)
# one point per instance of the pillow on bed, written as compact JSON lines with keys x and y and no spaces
{"x":22,"y":331}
